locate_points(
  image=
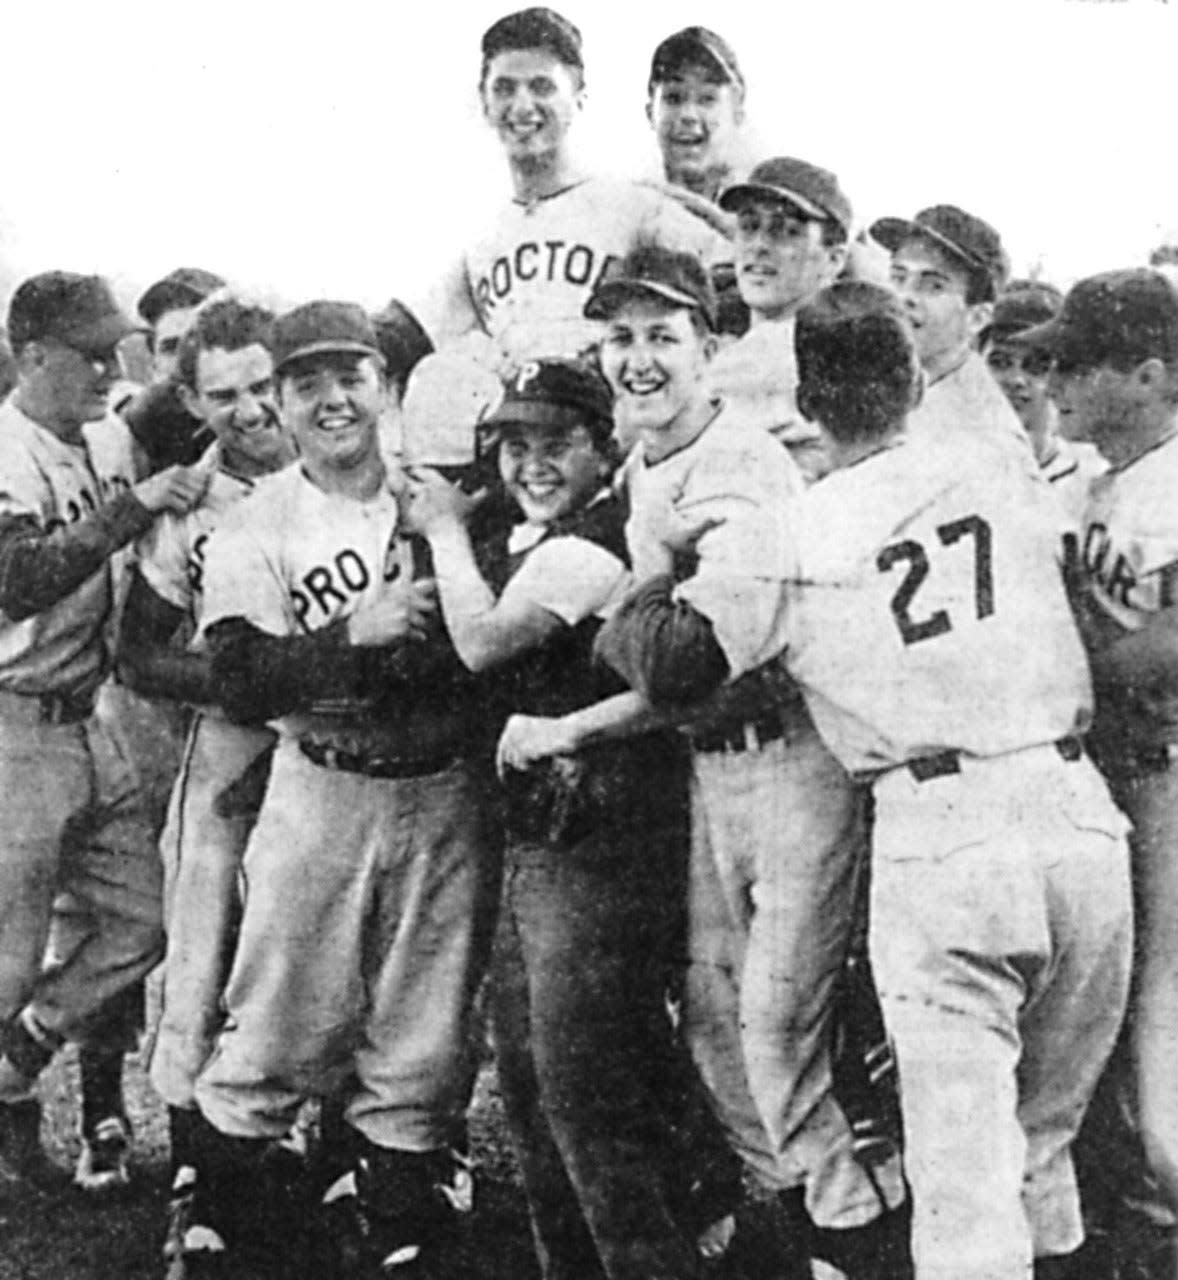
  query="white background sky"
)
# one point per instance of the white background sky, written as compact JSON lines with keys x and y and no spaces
{"x":336,"y":147}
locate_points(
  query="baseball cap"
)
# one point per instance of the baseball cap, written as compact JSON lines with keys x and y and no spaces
{"x":813,"y":190}
{"x":79,"y":311}
{"x":695,"y":44}
{"x":184,"y":287}
{"x":557,"y":393}
{"x":403,"y":342}
{"x":317,"y":327}
{"x":653,"y":271}
{"x":1119,"y":318}
{"x":970,"y":240}
{"x":535,"y":28}
{"x":1021,"y":307}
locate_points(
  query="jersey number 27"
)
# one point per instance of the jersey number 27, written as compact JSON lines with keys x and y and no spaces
{"x":913,"y":554}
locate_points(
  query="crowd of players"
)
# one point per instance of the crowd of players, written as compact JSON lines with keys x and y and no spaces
{"x":689,"y":640}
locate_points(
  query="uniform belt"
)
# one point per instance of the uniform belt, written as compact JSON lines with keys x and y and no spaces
{"x":45,"y":708}
{"x":752,"y":735}
{"x":945,"y":763}
{"x":328,"y":756}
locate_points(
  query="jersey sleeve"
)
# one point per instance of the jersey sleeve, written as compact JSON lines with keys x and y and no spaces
{"x":241,"y":580}
{"x":447,"y":311}
{"x":745,"y":561}
{"x":22,"y":492}
{"x":163,"y":562}
{"x":570,"y":577}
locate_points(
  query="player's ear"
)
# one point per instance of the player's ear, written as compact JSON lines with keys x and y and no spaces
{"x":650,"y":110}
{"x":1151,"y":376}
{"x":978,"y":317}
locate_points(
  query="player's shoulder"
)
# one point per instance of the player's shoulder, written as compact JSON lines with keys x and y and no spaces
{"x":737,"y":442}
{"x":270,"y":507}
{"x":19,"y":436}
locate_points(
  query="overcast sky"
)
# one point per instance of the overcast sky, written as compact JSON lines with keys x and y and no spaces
{"x":336,"y":147}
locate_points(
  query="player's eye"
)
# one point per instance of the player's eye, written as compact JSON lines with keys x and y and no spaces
{"x":542,"y":87}
{"x":502,"y":88}
{"x":1037,"y":364}
{"x":221,"y":397}
{"x":1000,"y":361}
{"x":263,"y":388}
{"x":748,"y":223}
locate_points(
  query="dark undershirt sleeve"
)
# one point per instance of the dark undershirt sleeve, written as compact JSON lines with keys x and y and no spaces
{"x":39,"y":568}
{"x":662,"y":647}
{"x":258,"y":676}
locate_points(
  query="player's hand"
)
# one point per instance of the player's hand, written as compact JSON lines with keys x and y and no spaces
{"x":175,"y":489}
{"x":527,"y":740}
{"x":403,"y":610}
{"x":432,"y":503}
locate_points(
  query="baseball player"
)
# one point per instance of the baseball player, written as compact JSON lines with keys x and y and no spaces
{"x":1000,"y":904}
{"x":1115,"y":379}
{"x":1021,"y":371}
{"x":369,"y":880}
{"x":73,"y":811}
{"x":226,"y":380}
{"x":158,"y":419}
{"x":523,"y":284}
{"x":583,"y":1039}
{"x":777,"y":833}
{"x":792,"y":223}
{"x":947,"y":268}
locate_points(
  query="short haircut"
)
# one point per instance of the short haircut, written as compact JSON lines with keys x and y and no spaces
{"x":534,"y":28}
{"x":226,"y":324}
{"x":857,"y":365}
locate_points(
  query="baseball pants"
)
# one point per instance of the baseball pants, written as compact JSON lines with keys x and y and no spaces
{"x":585,"y":1048}
{"x":1001,"y":933}
{"x":201,"y":853}
{"x":368,"y":908}
{"x":777,"y":845}
{"x":1149,"y":798}
{"x":74,"y":823}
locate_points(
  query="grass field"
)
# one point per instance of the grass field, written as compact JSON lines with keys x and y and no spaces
{"x":66,"y":1236}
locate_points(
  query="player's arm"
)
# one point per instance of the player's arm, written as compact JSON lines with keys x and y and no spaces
{"x":707,"y":211}
{"x":40,"y":566}
{"x":1144,"y":658}
{"x":146,"y":658}
{"x":448,"y":313}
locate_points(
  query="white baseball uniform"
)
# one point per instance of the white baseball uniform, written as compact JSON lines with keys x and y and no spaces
{"x":362,"y":937}
{"x":777,"y":834}
{"x":1070,"y":471}
{"x":200,"y":849}
{"x":71,"y":800}
{"x":526,"y":280}
{"x":1129,"y":555}
{"x":932,"y":635}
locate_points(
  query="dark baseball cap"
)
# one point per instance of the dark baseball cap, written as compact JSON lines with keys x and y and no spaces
{"x":555,"y":393}
{"x":79,"y":311}
{"x":319,"y":327}
{"x":403,"y":341}
{"x":966,"y":237}
{"x":653,"y":271}
{"x":695,"y":44}
{"x":816,"y":192}
{"x":1119,"y":318}
{"x":535,"y":28}
{"x":184,"y":287}
{"x":1021,"y":307}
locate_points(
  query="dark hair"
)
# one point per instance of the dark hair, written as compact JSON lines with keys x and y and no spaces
{"x":226,"y":324}
{"x":535,"y":28}
{"x":857,"y":366}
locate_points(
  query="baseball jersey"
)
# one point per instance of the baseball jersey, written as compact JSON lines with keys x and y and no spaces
{"x":1070,"y":471}
{"x":294,"y":559}
{"x":530,"y":274}
{"x":969,"y":405}
{"x":1129,"y":554}
{"x":758,"y":377}
{"x":64,"y":648}
{"x":740,"y":475}
{"x":172,"y":553}
{"x":929,"y":611}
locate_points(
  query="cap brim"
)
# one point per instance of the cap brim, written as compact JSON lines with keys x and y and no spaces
{"x":606,"y":298}
{"x":732,"y":197}
{"x":541,"y":413}
{"x":1048,"y":336}
{"x":330,"y":347}
{"x":892,"y":232}
{"x":678,"y":49}
{"x":102,"y":335}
